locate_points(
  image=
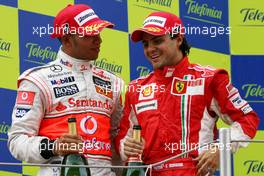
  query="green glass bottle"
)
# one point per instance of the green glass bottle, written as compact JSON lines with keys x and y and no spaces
{"x":135,"y":161}
{"x":74,"y":159}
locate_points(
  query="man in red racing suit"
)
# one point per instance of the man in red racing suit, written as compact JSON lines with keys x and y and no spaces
{"x":178,"y":104}
{"x":70,"y":86}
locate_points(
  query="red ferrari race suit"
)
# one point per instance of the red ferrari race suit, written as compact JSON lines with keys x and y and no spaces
{"x":177,"y":108}
{"x":48,"y":95}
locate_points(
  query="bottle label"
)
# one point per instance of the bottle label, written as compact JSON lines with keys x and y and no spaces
{"x":135,"y":159}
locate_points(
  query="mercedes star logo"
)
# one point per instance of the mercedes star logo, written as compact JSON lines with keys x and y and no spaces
{"x":56,"y":68}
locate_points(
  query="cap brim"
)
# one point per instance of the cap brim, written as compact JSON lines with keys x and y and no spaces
{"x":137,"y":34}
{"x":96,"y":27}
{"x":92,"y":29}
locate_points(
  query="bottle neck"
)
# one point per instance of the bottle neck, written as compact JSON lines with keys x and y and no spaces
{"x":72,"y":128}
{"x":137,"y":137}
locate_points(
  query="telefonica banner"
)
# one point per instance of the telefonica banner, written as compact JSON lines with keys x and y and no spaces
{"x":5,"y":47}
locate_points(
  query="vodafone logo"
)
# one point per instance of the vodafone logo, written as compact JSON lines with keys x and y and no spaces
{"x":25,"y":97}
{"x":88,"y":122}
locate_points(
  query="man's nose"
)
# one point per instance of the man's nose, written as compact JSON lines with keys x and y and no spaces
{"x":151,"y":48}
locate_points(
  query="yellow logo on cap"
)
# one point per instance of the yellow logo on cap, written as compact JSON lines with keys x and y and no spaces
{"x":152,"y":29}
{"x":94,"y":27}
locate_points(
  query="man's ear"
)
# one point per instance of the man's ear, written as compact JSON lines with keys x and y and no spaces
{"x":66,"y":40}
{"x":179,"y":39}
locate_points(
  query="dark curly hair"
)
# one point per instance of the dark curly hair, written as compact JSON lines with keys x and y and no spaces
{"x":185,"y":47}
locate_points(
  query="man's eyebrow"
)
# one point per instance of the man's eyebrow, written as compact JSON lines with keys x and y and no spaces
{"x":153,"y":38}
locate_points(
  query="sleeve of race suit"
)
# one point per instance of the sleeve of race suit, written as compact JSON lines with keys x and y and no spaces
{"x":118,"y":108}
{"x":125,"y":128}
{"x":233,"y":110}
{"x":23,"y":140}
{"x":115,"y":119}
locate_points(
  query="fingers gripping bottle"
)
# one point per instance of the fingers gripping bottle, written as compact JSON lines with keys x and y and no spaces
{"x":74,"y":159}
{"x":135,"y":161}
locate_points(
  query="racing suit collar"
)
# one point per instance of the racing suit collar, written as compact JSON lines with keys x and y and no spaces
{"x":73,"y":63}
{"x":174,"y":70}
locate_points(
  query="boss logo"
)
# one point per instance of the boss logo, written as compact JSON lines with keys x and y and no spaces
{"x":65,"y":91}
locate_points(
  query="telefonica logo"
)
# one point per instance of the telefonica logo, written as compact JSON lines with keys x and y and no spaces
{"x":253,"y":91}
{"x":165,"y":3}
{"x":4,"y":48}
{"x":143,"y":71}
{"x":252,"y":14}
{"x":254,"y":167}
{"x":203,"y":9}
{"x":111,"y":67}
{"x":36,"y":51}
{"x":4,"y":128}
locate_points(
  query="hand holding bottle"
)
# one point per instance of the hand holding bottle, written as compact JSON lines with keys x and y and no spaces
{"x":133,"y":147}
{"x":68,"y":144}
{"x":71,"y":151}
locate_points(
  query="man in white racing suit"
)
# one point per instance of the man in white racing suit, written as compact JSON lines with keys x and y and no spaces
{"x":70,"y":86}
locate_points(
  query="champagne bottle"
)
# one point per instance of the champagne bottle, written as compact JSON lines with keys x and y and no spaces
{"x":74,"y":159}
{"x":135,"y":161}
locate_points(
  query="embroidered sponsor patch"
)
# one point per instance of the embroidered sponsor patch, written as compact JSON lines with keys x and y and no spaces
{"x":147,"y":92}
{"x":156,"y":20}
{"x":207,"y":71}
{"x":65,"y":90}
{"x":189,"y":87}
{"x":25,"y":97}
{"x":246,"y":109}
{"x":169,"y":72}
{"x":145,"y":106}
{"x":100,"y":73}
{"x":60,"y":107}
{"x":50,"y":76}
{"x":20,"y":112}
{"x":102,"y":83}
{"x":90,"y":103}
{"x":66,"y":63}
{"x":103,"y":87}
{"x":106,"y":92}
{"x":56,"y":68}
{"x":231,"y":89}
{"x":237,"y":101}
{"x":179,"y":87}
{"x":89,"y":125}
{"x":63,"y":80}
{"x":85,"y":16}
{"x":83,"y":67}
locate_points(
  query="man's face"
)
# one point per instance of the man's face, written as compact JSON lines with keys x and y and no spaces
{"x":161,"y":50}
{"x":86,"y":47}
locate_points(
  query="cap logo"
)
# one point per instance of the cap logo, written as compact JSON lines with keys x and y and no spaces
{"x":85,"y":16}
{"x":152,"y":29}
{"x":155,"y":20}
{"x":94,"y":27}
